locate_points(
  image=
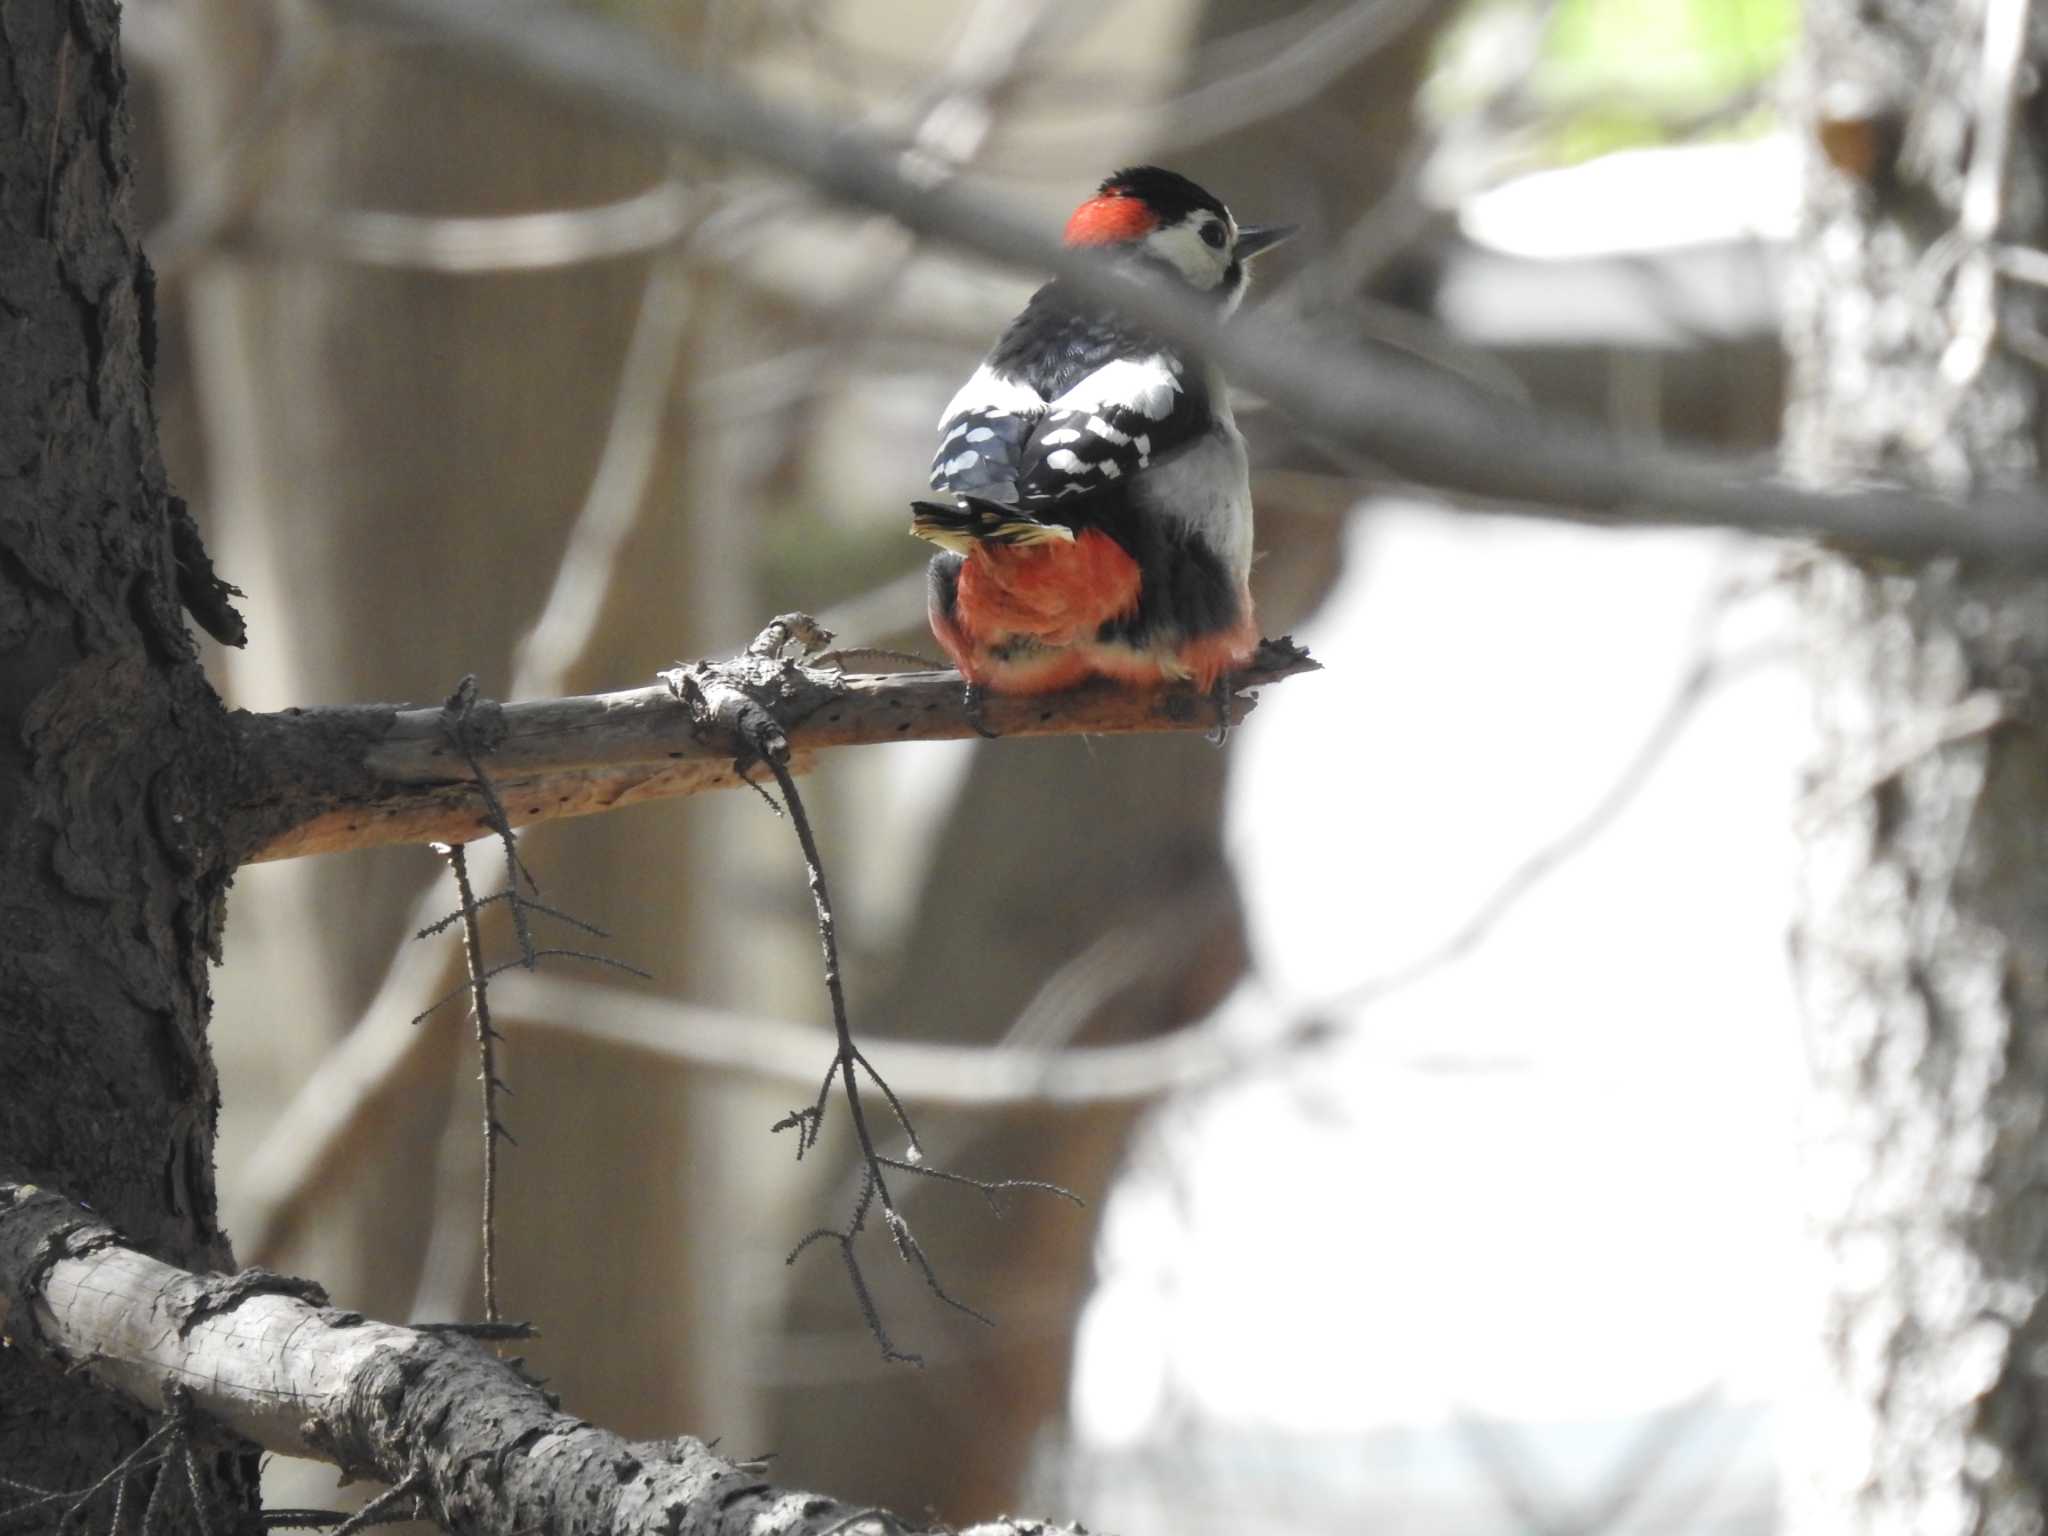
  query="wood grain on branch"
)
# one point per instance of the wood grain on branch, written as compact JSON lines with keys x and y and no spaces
{"x":325,"y":780}
{"x":484,"y":1449}
{"x":1422,"y":423}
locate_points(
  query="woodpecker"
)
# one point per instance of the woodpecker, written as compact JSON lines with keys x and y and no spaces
{"x":1101,"y":516}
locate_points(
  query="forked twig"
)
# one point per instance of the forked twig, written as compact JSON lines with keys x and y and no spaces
{"x":472,"y":724}
{"x":723,"y":697}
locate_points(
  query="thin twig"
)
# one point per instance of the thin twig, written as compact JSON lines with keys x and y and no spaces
{"x":384,"y":1508}
{"x":318,"y":1519}
{"x":471,"y":729}
{"x":459,"y":718}
{"x":809,"y":1121}
{"x":487,"y":1056}
{"x":772,"y":665}
{"x":144,"y":1456}
{"x":444,"y":923}
{"x":200,"y":1522}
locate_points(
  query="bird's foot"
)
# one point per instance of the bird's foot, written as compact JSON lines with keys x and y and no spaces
{"x":973,"y":697}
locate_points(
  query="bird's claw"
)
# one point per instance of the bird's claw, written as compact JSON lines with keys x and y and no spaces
{"x":972,"y":698}
{"x":1220,"y":694}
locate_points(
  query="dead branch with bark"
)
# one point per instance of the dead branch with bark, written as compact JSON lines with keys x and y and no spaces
{"x":356,"y":776}
{"x":473,"y":1441}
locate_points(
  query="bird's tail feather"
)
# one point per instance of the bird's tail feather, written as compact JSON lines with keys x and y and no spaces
{"x":961,"y":525}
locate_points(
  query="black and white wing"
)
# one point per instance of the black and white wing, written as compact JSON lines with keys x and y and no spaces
{"x":983,"y":434}
{"x":1109,"y":425}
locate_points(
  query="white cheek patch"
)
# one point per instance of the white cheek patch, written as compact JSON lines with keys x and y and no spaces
{"x":1182,"y":247}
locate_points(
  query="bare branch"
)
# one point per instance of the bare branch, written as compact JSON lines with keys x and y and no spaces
{"x":480,"y":1446}
{"x":1033,"y":1062}
{"x":515,"y":242}
{"x":322,"y":780}
{"x":1423,"y":425}
{"x":487,"y":1038}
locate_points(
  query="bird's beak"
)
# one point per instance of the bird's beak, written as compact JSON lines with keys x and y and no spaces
{"x":1255,"y":239}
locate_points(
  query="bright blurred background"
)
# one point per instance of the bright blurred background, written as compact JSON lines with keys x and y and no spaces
{"x":1443,"y":1177}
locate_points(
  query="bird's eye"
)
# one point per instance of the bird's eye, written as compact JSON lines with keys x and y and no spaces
{"x":1212,"y":236}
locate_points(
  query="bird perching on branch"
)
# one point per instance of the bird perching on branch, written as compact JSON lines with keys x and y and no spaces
{"x":1100,"y":521}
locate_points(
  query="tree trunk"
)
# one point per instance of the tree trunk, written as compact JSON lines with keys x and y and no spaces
{"x":111,"y":875}
{"x":1923,"y":939}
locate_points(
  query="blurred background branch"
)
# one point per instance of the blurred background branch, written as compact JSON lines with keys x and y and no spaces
{"x":1420,"y":424}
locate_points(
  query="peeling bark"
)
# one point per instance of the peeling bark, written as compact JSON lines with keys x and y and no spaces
{"x":1923,"y":937}
{"x":483,"y":1447}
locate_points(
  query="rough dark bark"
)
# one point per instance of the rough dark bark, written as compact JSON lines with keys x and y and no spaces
{"x":111,"y":867}
{"x":1923,"y":936}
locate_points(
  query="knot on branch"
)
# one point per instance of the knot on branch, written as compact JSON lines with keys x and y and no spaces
{"x":474,"y":723}
{"x":39,"y":1229}
{"x":748,"y":702}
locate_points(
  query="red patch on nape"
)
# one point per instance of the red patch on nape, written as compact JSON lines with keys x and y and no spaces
{"x":1109,"y":219}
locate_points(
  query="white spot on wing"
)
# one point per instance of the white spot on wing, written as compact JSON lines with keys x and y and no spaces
{"x":1104,"y":430}
{"x":1064,"y":435}
{"x":1064,"y":460}
{"x":966,"y":460}
{"x":989,"y":393}
{"x":981,"y":434}
{"x":1145,"y":385}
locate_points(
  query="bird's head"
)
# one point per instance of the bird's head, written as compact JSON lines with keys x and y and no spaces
{"x":1162,"y":220}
